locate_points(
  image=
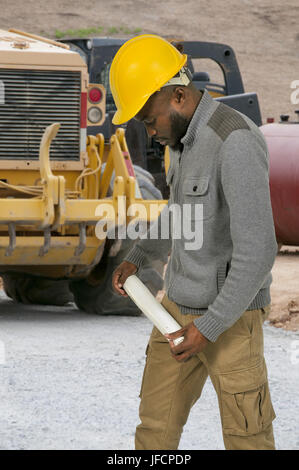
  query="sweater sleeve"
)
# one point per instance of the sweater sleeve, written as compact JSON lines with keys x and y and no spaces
{"x":157,"y":243}
{"x":245,"y":183}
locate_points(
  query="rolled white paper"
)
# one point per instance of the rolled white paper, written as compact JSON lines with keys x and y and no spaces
{"x":150,"y":306}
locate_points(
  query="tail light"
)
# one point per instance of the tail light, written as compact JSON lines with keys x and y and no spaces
{"x":95,"y":95}
{"x":96,"y":105}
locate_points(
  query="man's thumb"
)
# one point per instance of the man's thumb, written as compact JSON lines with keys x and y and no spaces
{"x":175,"y":334}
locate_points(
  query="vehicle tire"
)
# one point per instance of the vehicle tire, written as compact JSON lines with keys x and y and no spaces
{"x":101,"y":298}
{"x":27,"y":289}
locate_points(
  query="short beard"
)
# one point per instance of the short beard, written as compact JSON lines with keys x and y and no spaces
{"x":179,"y":125}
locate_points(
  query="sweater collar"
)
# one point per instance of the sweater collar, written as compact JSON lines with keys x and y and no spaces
{"x":201,"y":112}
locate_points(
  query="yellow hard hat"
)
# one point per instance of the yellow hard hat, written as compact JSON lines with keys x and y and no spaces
{"x":141,"y":67}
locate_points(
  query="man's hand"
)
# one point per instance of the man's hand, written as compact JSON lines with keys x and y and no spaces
{"x":121,"y":273}
{"x":194,"y":342}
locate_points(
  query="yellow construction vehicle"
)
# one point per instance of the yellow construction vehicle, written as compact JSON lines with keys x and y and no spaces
{"x":57,"y":184}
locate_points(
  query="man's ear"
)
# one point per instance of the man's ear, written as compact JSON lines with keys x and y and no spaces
{"x":179,"y":97}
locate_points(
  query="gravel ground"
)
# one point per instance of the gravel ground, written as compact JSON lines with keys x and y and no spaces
{"x":71,"y":381}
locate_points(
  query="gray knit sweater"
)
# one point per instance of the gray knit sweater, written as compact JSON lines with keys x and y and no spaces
{"x":221,"y":179}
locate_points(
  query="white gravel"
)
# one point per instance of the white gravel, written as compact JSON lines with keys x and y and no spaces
{"x":71,"y":381}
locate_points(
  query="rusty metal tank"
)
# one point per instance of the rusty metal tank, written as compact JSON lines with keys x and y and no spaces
{"x":283,"y":143}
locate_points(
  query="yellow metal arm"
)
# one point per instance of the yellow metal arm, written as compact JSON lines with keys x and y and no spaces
{"x":53,"y":185}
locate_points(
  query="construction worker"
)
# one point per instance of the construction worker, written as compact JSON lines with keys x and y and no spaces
{"x":219,"y":292}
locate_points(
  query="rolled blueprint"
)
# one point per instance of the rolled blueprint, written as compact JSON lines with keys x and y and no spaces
{"x":151,"y":308}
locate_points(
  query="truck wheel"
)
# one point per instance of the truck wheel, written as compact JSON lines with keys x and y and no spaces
{"x":33,"y":290}
{"x":101,"y":298}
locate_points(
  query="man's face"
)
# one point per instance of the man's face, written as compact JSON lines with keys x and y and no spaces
{"x":163,"y":119}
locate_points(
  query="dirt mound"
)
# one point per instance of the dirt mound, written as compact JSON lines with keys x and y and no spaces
{"x":264,"y":34}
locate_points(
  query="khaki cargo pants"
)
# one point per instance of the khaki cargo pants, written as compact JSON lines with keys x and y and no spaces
{"x":236,"y":366}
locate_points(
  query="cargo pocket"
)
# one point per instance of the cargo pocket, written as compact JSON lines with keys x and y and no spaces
{"x":147,"y":353}
{"x":246,"y":406}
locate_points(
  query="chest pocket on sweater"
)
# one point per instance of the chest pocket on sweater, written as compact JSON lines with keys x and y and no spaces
{"x":196,"y":191}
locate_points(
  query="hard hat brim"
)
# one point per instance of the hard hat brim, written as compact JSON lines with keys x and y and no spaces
{"x":120,"y":117}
